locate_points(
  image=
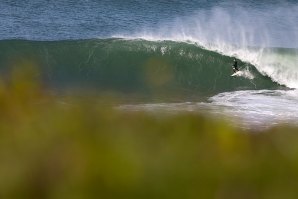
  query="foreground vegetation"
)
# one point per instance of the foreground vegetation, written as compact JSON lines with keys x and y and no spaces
{"x":80,"y":147}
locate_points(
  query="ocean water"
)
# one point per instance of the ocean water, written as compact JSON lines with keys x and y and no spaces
{"x":164,"y":56}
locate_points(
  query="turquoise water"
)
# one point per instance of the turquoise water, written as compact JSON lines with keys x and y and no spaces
{"x":165,"y":52}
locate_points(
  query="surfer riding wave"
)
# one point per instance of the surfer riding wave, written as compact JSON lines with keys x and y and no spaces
{"x":235,"y":66}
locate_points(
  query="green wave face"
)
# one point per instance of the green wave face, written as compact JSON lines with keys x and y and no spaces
{"x":173,"y":70}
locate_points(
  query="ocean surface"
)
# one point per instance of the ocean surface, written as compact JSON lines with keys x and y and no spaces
{"x":164,"y":57}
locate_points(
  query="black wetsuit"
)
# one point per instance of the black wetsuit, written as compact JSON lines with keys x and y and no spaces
{"x":235,"y":66}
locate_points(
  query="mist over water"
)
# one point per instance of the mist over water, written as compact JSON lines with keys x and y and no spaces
{"x":247,"y":32}
{"x":240,"y":24}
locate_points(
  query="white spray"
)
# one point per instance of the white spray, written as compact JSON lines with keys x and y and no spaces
{"x":248,"y":33}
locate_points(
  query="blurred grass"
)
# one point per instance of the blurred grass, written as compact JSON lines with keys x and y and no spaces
{"x":76,"y":147}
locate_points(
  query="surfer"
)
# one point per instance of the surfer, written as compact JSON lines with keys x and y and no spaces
{"x":235,"y":66}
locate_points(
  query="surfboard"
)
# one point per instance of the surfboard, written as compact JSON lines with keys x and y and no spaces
{"x":238,"y":73}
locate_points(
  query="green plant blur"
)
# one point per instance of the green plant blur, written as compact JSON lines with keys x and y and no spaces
{"x":81,"y":147}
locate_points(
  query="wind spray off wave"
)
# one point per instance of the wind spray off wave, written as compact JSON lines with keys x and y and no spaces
{"x":264,"y":35}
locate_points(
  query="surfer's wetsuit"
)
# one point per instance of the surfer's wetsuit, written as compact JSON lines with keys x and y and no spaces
{"x":235,"y":66}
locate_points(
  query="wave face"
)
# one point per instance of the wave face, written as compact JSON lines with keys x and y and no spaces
{"x":166,"y":68}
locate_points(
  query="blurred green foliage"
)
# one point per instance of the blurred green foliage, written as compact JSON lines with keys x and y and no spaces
{"x":66,"y":147}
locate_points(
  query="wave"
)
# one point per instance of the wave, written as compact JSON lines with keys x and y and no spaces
{"x":245,"y":32}
{"x":136,"y":66}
